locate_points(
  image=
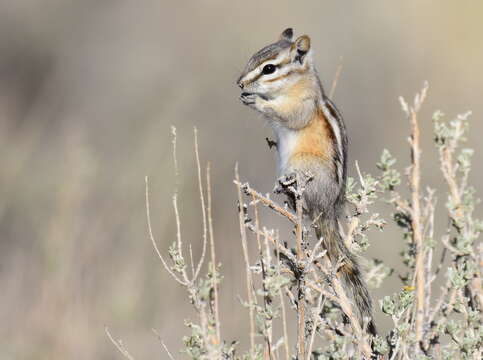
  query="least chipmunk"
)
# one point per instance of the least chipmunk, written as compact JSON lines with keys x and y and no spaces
{"x":281,"y":82}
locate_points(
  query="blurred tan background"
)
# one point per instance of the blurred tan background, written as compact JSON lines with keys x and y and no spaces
{"x":88,"y":92}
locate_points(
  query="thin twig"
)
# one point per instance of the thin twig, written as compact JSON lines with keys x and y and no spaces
{"x":336,"y":78}
{"x":213,"y":256}
{"x":203,"y":210}
{"x":163,"y":344}
{"x":178,"y":237}
{"x":322,"y":291}
{"x":300,"y":280}
{"x":267,"y":202}
{"x":282,"y":305}
{"x":241,"y":217}
{"x":151,"y":237}
{"x":175,"y":158}
{"x":267,"y":298}
{"x":429,"y":233}
{"x":118,"y":344}
{"x":264,"y":262}
{"x":316,"y":320}
{"x":192,"y":263}
{"x":280,"y":247}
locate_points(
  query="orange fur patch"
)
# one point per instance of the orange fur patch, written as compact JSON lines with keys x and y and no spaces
{"x":315,"y":142}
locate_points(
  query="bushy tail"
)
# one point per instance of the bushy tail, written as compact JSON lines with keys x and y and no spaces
{"x":349,"y":271}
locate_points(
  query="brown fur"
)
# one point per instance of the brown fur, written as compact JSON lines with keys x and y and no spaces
{"x":315,"y":140}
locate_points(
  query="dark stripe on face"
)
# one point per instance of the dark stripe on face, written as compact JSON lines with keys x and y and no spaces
{"x":284,"y":62}
{"x":294,"y":71}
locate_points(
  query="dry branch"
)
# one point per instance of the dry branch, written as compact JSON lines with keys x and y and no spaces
{"x":417,"y":232}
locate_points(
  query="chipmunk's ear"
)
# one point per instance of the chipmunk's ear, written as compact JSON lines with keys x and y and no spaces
{"x":287,"y":34}
{"x":302,"y":47}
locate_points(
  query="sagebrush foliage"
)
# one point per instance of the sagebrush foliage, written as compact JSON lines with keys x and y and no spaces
{"x":431,"y":323}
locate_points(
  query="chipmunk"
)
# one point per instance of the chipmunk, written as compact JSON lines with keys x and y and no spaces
{"x":281,"y":82}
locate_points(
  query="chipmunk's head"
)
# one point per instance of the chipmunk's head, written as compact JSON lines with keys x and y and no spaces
{"x":277,"y":75}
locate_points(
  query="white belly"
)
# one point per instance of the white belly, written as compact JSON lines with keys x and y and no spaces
{"x":286,"y":144}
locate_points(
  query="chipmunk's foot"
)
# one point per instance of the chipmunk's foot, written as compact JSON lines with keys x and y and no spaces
{"x":271,"y":143}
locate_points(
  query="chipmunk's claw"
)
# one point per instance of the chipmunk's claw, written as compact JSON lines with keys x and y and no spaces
{"x":248,"y":98}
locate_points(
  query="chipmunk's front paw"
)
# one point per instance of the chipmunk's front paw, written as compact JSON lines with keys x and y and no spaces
{"x":249,"y":99}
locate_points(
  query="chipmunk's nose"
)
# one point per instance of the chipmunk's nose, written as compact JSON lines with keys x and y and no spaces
{"x":239,"y":82}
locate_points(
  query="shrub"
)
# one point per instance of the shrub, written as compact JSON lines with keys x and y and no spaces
{"x":427,"y":324}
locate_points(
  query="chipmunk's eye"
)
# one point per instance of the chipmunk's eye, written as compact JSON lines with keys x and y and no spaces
{"x":268,"y":69}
